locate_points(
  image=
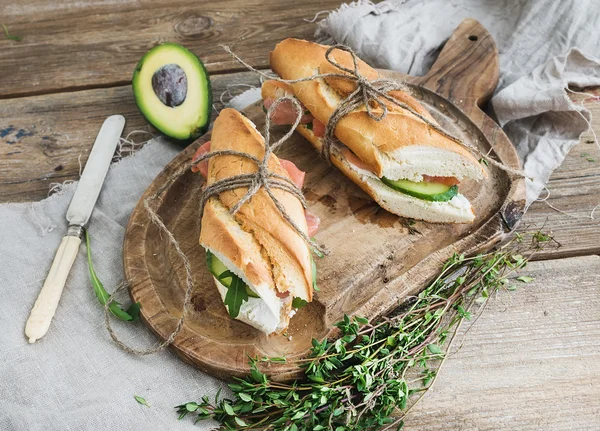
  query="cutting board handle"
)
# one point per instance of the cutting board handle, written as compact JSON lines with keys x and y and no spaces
{"x":467,"y":70}
{"x":466,"y":74}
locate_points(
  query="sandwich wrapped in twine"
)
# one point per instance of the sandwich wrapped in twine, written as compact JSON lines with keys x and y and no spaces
{"x":369,"y":94}
{"x":262,"y":178}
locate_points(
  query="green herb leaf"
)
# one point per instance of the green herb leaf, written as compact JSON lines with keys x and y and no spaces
{"x":240,"y":422}
{"x":11,"y":36}
{"x":132,"y":313}
{"x":298,"y":302}
{"x":434,"y":349}
{"x":228,"y":409}
{"x":525,"y":279}
{"x":314,"y":274}
{"x":298,"y":415}
{"x":309,"y":126}
{"x":358,"y":379}
{"x":245,"y":397}
{"x":588,"y":157}
{"x":141,"y":400}
{"x":317,"y":252}
{"x":236,"y":296}
{"x":191,"y":407}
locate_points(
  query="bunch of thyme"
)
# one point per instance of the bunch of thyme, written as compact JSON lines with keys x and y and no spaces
{"x":373,"y":374}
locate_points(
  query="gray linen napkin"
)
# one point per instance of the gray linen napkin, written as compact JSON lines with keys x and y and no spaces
{"x":75,"y":378}
{"x":544,"y":45}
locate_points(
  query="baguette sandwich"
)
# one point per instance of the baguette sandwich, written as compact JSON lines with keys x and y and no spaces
{"x":261,"y":266}
{"x":407,"y":167}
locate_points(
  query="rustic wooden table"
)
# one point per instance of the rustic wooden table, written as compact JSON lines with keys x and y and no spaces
{"x":531,"y":362}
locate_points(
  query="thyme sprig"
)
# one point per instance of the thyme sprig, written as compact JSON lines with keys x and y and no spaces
{"x":11,"y":36}
{"x":374,"y":373}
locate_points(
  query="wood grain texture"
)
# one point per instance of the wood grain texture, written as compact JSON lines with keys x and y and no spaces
{"x":531,"y":362}
{"x":43,"y":139}
{"x":393,"y":262}
{"x":75,"y":44}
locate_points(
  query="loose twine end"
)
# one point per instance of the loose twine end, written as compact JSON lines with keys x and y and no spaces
{"x":189,"y":280}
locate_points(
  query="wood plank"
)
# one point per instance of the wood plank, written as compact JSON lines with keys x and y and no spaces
{"x":575,"y":189}
{"x":43,"y":139}
{"x":75,"y":44}
{"x":531,"y":362}
{"x":47,"y":134}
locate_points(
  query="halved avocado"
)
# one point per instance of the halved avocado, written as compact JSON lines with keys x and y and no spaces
{"x":428,"y":191}
{"x":172,"y":90}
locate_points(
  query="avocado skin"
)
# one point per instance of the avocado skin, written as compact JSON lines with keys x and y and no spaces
{"x":138,"y":87}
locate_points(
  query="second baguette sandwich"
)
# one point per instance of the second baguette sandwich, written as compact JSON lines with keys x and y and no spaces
{"x":409,"y":168}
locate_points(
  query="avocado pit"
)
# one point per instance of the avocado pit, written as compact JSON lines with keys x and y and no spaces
{"x":170,"y":85}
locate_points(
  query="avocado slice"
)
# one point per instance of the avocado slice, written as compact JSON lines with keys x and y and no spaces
{"x":172,"y":90}
{"x":435,"y":192}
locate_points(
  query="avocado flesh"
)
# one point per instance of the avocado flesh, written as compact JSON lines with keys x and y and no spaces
{"x":216,"y":268}
{"x":435,"y":192}
{"x":190,"y":117}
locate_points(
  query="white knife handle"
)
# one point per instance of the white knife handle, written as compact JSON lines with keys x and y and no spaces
{"x":45,"y":305}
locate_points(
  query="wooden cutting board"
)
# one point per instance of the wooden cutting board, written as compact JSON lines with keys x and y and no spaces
{"x":377,"y":259}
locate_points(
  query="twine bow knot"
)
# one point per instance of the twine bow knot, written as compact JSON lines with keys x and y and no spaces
{"x":367,"y":93}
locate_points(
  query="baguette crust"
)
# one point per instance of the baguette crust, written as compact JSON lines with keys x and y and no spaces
{"x":286,"y":254}
{"x":220,"y":232}
{"x":370,"y":140}
{"x":274,"y":89}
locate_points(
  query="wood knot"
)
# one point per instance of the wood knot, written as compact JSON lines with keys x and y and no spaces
{"x":512,"y":213}
{"x":193,"y":25}
{"x":199,"y":303}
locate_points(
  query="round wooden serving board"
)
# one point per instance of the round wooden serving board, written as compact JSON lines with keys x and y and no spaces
{"x":377,"y":259}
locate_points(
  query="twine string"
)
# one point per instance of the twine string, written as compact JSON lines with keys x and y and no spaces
{"x":189,"y":280}
{"x":262,"y":178}
{"x":369,"y":94}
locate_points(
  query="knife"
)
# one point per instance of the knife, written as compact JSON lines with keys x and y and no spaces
{"x":78,"y":215}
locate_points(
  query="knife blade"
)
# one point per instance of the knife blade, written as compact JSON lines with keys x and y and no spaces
{"x":78,"y":215}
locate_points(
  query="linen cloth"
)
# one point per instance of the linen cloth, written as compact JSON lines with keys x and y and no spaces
{"x":75,"y":378}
